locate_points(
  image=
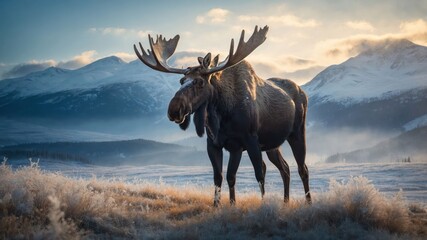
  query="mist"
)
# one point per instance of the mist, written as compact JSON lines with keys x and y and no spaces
{"x":323,"y":142}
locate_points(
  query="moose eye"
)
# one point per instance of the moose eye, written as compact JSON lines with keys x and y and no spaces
{"x":198,"y":82}
{"x":182,"y":80}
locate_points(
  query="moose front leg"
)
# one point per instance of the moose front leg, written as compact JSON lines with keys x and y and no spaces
{"x":255,"y":155}
{"x":215,"y":155}
{"x":233,"y":165}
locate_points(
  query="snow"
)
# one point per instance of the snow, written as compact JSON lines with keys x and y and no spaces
{"x":379,"y":73}
{"x":105,"y":71}
{"x":388,"y":178}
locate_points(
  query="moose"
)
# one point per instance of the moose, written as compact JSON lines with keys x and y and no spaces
{"x":238,"y":110}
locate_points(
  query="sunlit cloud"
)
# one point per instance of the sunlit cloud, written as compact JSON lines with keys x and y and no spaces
{"x":297,"y":69}
{"x":343,"y":48}
{"x":360,"y":25}
{"x":288,"y":20}
{"x":23,"y":69}
{"x":213,"y":16}
{"x":127,"y":57}
{"x":415,"y":30}
{"x":303,"y":74}
{"x":79,"y":61}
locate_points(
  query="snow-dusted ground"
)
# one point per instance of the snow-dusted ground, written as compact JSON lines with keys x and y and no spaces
{"x":388,"y":178}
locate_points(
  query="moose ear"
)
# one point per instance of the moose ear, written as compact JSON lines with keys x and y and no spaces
{"x":214,"y":62}
{"x":207,"y":61}
{"x":200,"y":59}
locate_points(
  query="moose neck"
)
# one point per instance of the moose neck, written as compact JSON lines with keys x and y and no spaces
{"x":233,"y":85}
{"x":230,"y":87}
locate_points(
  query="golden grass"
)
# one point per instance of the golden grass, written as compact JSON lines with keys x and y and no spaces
{"x":43,"y":205}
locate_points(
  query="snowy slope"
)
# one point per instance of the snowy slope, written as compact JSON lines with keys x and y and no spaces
{"x":384,"y":88}
{"x":109,"y":85}
{"x":385,"y":70}
{"x":102,"y":72}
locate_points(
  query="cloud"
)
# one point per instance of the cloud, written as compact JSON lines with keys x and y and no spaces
{"x":127,"y":57}
{"x":109,"y":30}
{"x":23,"y":69}
{"x":79,"y":60}
{"x":213,"y":16}
{"x":120,"y":32}
{"x":297,"y":69}
{"x":295,"y":63}
{"x":360,"y":25}
{"x":288,"y":20}
{"x":266,"y":70}
{"x":27,"y":68}
{"x":415,"y":31}
{"x":343,"y":48}
{"x":185,"y":58}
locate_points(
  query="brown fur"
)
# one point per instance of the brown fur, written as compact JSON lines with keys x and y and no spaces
{"x":240,"y":83}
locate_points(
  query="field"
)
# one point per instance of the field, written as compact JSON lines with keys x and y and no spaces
{"x":39,"y":202}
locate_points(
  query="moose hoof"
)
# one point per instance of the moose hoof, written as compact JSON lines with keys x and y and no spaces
{"x":308,"y":198}
{"x":216,"y":204}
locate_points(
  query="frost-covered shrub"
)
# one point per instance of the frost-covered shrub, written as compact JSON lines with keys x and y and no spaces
{"x":43,"y":205}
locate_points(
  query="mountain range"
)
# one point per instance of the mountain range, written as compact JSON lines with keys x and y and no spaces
{"x":384,"y":87}
{"x":107,"y":88}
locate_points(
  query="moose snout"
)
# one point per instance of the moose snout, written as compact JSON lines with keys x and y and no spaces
{"x":178,"y":110}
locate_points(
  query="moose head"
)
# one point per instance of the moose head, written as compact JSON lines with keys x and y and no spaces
{"x":196,"y":86}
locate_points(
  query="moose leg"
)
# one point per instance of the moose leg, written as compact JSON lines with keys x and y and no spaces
{"x":215,"y":155}
{"x":233,"y":165}
{"x":297,"y":143}
{"x":277,"y":159}
{"x":255,"y":155}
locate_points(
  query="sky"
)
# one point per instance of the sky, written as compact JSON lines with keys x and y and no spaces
{"x":304,"y":35}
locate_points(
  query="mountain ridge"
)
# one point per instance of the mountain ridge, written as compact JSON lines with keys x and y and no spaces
{"x":373,"y":74}
{"x":383,"y":87}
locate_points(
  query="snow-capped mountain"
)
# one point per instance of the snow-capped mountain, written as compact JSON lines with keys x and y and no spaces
{"x":108,"y":87}
{"x":385,"y":86}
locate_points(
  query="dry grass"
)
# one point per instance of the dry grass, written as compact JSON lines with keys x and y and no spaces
{"x":42,"y":205}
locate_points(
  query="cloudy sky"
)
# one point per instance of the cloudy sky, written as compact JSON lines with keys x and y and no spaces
{"x":304,"y":35}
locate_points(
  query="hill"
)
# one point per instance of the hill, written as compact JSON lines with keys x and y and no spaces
{"x":134,"y":152}
{"x":411,"y":144}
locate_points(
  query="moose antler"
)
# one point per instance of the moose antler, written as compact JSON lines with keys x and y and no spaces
{"x":161,"y":50}
{"x":243,"y":49}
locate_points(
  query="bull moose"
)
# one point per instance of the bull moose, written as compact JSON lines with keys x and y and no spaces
{"x":239,"y":110}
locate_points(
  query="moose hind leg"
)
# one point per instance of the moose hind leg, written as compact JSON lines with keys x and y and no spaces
{"x":215,"y":156}
{"x":277,"y":159}
{"x":233,"y":165}
{"x":297,"y":143}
